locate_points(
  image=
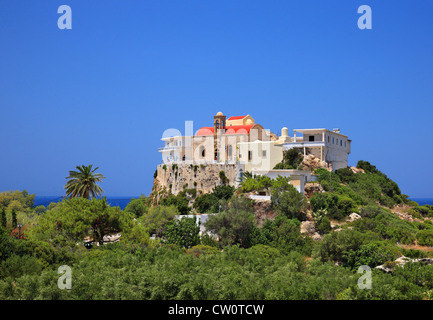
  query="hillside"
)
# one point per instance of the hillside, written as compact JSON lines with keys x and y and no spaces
{"x":291,"y":247}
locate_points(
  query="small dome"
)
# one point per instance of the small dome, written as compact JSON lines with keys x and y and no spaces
{"x":219,"y":114}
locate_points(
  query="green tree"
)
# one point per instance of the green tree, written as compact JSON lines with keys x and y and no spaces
{"x":156,"y":218}
{"x":18,"y":199}
{"x":287,"y":200}
{"x":223,"y":192}
{"x":234,"y":223}
{"x":207,"y":202}
{"x":335,"y":245}
{"x":7,"y":245}
{"x":180,"y":202}
{"x":74,"y":219}
{"x":282,"y":233}
{"x":3,"y":218}
{"x":137,"y":207}
{"x":83,"y":183}
{"x":14,"y":218}
{"x":184,"y":232}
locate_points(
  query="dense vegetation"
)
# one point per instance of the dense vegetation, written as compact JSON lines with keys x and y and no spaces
{"x":292,"y":159}
{"x":161,"y":255}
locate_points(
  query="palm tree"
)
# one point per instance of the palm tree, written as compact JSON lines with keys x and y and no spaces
{"x":82,"y":183}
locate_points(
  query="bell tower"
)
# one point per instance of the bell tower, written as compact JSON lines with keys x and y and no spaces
{"x":219,"y":124}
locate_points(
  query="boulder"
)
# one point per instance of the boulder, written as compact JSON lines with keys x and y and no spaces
{"x":310,"y":162}
{"x":401,"y":261}
{"x":316,"y":236}
{"x":357,"y":170}
{"x":308,"y":227}
{"x":311,"y":188}
{"x":353,"y":216}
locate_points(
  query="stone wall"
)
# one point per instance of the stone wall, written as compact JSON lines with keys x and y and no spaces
{"x":202,"y":177}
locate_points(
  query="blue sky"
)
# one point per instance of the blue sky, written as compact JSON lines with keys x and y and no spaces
{"x":105,"y":91}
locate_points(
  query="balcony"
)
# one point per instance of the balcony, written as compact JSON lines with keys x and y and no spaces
{"x":306,"y":144}
{"x":170,"y":148}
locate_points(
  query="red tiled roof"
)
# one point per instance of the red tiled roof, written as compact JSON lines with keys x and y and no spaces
{"x":236,"y":118}
{"x":207,"y":131}
{"x":239,"y":129}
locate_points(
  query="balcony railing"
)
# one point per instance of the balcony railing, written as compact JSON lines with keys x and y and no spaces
{"x":304,"y":144}
{"x":171,"y":148}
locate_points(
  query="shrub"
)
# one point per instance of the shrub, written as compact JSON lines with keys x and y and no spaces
{"x":292,"y":158}
{"x":282,"y":233}
{"x":335,"y":245}
{"x":207,"y":240}
{"x":425,"y":238}
{"x":337,"y":206}
{"x":324,"y":226}
{"x":223,"y":178}
{"x":264,"y":252}
{"x":370,"y":254}
{"x":388,"y":226}
{"x":346,"y":175}
{"x":424,"y":210}
{"x":201,"y":249}
{"x":371,"y":211}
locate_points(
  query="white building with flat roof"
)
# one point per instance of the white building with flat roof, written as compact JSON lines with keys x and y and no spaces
{"x":329,"y":146}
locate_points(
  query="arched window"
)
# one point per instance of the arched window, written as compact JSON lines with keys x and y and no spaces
{"x":217,"y":124}
{"x":203,"y":151}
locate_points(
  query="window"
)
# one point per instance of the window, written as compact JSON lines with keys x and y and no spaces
{"x":328,"y":139}
{"x":332,"y":140}
{"x":341,"y":143}
{"x":311,"y":138}
{"x":202,"y":151}
{"x":230,"y":151}
{"x":264,"y":153}
{"x":250,"y":155}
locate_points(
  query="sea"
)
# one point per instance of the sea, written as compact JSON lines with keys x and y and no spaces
{"x":121,"y":202}
{"x":423,"y":201}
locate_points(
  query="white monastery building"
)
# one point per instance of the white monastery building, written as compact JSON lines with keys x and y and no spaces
{"x":238,"y":144}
